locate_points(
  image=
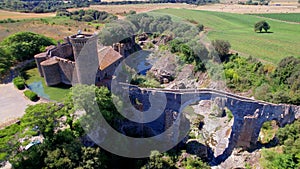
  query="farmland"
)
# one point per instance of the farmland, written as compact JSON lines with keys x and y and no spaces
{"x":238,"y":30}
{"x":290,"y":17}
{"x":231,"y":8}
{"x":54,"y":27}
{"x":18,"y":15}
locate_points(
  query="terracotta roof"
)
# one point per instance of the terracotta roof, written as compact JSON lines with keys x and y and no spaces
{"x":107,"y":56}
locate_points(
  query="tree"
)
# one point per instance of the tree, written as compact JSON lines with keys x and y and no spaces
{"x":261,"y":25}
{"x":5,"y":61}
{"x":24,"y":45}
{"x":222,"y":48}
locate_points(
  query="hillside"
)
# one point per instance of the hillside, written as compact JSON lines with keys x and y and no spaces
{"x":282,"y":41}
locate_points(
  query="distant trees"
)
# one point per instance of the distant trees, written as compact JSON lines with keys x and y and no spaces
{"x":261,"y":25}
{"x":24,"y":45}
{"x":40,"y":6}
{"x":88,"y":15}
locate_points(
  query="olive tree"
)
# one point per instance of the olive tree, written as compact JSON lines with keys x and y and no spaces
{"x":261,"y":25}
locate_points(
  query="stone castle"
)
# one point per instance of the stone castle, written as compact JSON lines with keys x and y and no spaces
{"x":68,"y":62}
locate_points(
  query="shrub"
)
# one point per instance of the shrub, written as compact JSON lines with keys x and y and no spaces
{"x":19,"y":83}
{"x":31,"y":95}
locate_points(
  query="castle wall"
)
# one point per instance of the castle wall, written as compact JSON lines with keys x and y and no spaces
{"x":63,"y":51}
{"x":51,"y":71}
{"x":86,"y":57}
{"x":108,"y":72}
{"x":67,"y":71}
{"x":39,"y":58}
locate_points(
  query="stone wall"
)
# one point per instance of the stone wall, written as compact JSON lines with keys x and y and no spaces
{"x":51,"y":72}
{"x":39,"y":58}
{"x":67,"y":70}
{"x":108,"y":72}
{"x":62,"y":50}
{"x":249,"y":115}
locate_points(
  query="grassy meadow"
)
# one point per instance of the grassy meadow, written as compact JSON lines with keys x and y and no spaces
{"x":238,"y":30}
{"x":290,"y":17}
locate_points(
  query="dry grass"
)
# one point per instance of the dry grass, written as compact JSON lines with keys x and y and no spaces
{"x":18,"y":15}
{"x":232,"y":8}
{"x":119,"y":9}
{"x":56,"y":28}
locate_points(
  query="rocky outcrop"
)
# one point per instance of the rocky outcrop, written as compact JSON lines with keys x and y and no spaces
{"x":164,"y":70}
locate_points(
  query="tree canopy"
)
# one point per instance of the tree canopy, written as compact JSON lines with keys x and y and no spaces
{"x":24,"y":45}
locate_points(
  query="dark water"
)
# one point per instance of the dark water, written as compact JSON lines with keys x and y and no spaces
{"x":141,"y":62}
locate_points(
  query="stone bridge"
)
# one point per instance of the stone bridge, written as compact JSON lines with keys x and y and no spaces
{"x":249,"y":114}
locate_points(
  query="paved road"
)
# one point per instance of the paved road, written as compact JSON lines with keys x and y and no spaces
{"x":12,"y":103}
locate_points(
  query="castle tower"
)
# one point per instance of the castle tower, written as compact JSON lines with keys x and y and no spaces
{"x":86,"y":57}
{"x":51,"y":72}
{"x":39,"y":58}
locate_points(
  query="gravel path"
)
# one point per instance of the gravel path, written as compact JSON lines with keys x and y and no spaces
{"x":12,"y":103}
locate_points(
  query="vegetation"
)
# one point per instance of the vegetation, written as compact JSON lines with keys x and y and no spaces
{"x":237,"y":29}
{"x":145,"y":81}
{"x":19,"y":82}
{"x":290,"y":17}
{"x":261,"y":25}
{"x":222,"y":48}
{"x":289,"y":156}
{"x":31,"y":95}
{"x":277,"y":85}
{"x":88,"y":15}
{"x":41,"y":6}
{"x":24,"y":45}
{"x":5,"y":61}
{"x":9,"y":20}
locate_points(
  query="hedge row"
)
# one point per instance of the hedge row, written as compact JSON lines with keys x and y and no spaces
{"x":31,"y":95}
{"x":19,"y":83}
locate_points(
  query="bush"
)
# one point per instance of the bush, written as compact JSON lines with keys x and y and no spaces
{"x":31,"y":95}
{"x":19,"y":83}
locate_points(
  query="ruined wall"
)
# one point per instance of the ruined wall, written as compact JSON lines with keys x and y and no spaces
{"x":127,"y":47}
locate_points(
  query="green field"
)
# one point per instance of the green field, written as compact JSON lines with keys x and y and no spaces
{"x":57,"y":93}
{"x":238,"y":30}
{"x":290,"y":17}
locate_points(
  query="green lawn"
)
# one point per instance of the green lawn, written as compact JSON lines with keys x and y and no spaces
{"x":291,"y":17}
{"x":238,"y":30}
{"x":56,"y":93}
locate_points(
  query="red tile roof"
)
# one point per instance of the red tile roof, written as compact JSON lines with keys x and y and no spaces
{"x":107,"y":56}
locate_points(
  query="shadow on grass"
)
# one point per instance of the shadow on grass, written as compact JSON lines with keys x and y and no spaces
{"x":62,"y":86}
{"x":265,"y":32}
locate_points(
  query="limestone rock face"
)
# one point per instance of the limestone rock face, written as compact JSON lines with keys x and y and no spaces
{"x":164,"y":70}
